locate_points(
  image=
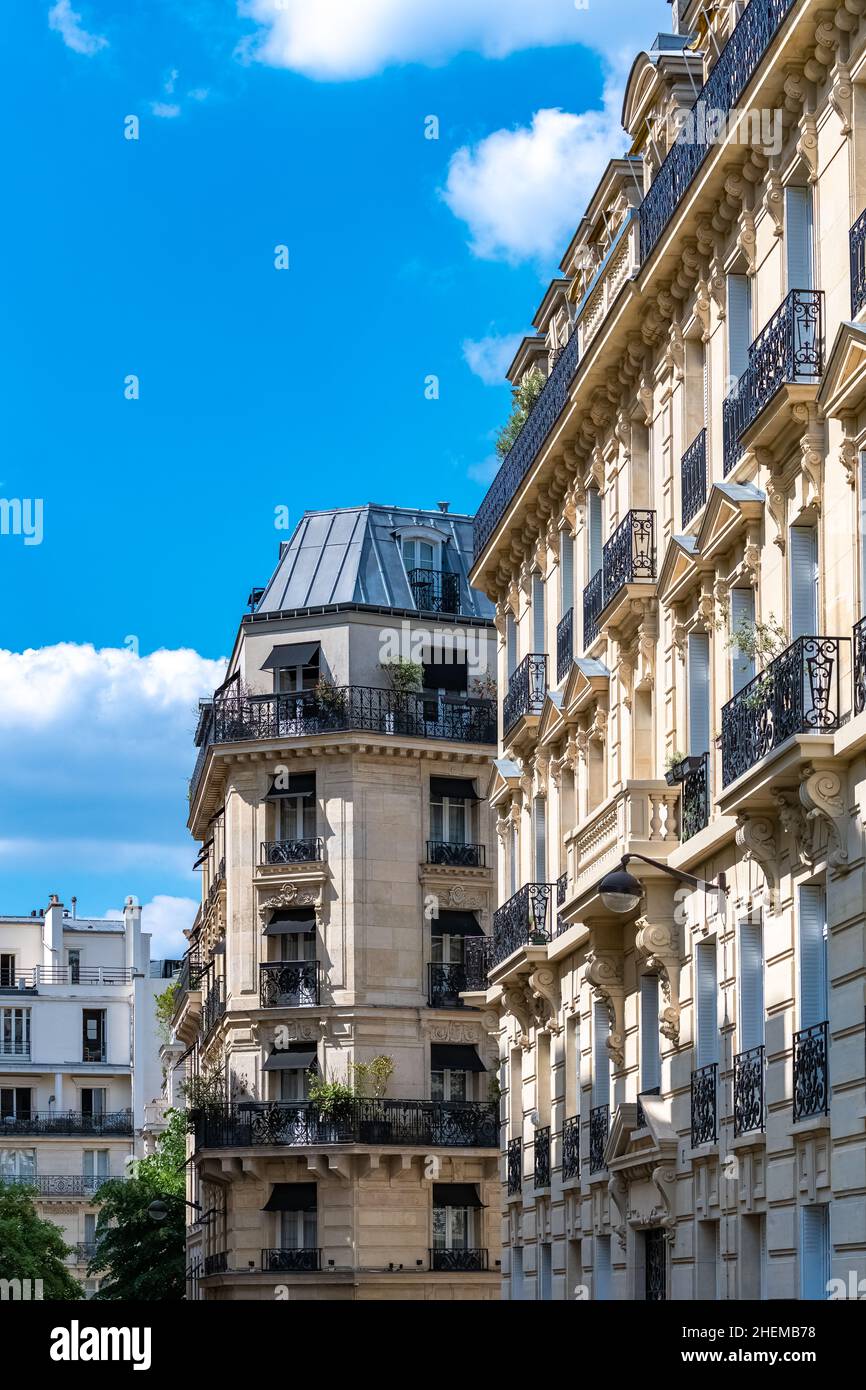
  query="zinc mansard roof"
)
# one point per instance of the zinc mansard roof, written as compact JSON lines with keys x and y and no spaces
{"x":354,"y":555}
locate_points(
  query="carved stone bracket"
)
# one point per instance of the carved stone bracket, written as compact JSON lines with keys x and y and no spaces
{"x":659,"y":944}
{"x":841,"y":96}
{"x":664,"y":1180}
{"x":617,"y":1191}
{"x":544,"y":984}
{"x":755,"y":835}
{"x":604,"y":975}
{"x":822,"y":799}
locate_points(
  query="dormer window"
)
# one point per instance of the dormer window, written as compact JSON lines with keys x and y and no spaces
{"x":420,"y":554}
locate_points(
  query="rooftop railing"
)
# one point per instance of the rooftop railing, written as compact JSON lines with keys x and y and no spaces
{"x":441,"y":1124}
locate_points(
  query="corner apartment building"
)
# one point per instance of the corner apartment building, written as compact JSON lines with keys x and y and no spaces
{"x":78,"y":1058}
{"x":347,"y":857}
{"x":676,"y":548}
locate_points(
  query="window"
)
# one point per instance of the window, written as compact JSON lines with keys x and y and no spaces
{"x":516,"y":1292}
{"x":419,"y":554}
{"x":510,"y":644}
{"x":545,"y":1272}
{"x":813,"y":956}
{"x":814,"y":1253}
{"x":96,"y":1168}
{"x":452,"y":1066}
{"x":15,"y":1103}
{"x":603,"y":1272}
{"x":862,"y":609}
{"x":539,"y":830}
{"x":798,"y":238}
{"x":93,"y":1030}
{"x":539,"y":639}
{"x":299,"y":1229}
{"x":73,"y":961}
{"x":455,"y":1216}
{"x":739,"y":324}
{"x":751,"y":985}
{"x":752,"y":1261}
{"x":448,"y":936}
{"x":17,"y":1165}
{"x":7,"y":971}
{"x":574,"y":1284}
{"x":707,"y":1261}
{"x":514,"y":861}
{"x":699,"y":693}
{"x":595,"y":534}
{"x":566,"y":572}
{"x":450,"y":811}
{"x":601,"y":1054}
{"x":15,"y":1033}
{"x":90,"y":1228}
{"x":448,"y":1084}
{"x":650,"y":1053}
{"x":291,"y":680}
{"x":296,"y":807}
{"x":93,"y":1101}
{"x":707,"y":1000}
{"x":742,"y":614}
{"x":804,"y":581}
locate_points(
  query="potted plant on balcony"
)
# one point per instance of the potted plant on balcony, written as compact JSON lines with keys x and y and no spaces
{"x":524,"y":397}
{"x":405,"y":678}
{"x":334,"y":1102}
{"x":679,"y":765}
{"x":371,"y":1081}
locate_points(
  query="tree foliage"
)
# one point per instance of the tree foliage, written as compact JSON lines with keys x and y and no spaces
{"x":524,"y":396}
{"x":31,"y":1248}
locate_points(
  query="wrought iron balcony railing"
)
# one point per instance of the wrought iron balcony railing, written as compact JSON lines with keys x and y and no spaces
{"x":81,"y":1252}
{"x":599,"y":1129}
{"x":641,"y":1114}
{"x":286,"y":1261}
{"x":860,"y":667}
{"x":593,"y":603}
{"x":571,"y":1148}
{"x":705,"y":1128}
{"x":789,"y":350}
{"x":523,"y":921}
{"x":97,"y":975}
{"x":191,"y":973}
{"x":693,"y":477}
{"x":811,"y":1072}
{"x":61,"y":1185}
{"x":629,"y":557}
{"x":749,"y":1091}
{"x":67,"y":1122}
{"x":458,"y":1261}
{"x":693,"y":775}
{"x":527,"y":445}
{"x":798,"y":693}
{"x":731,"y":74}
{"x":435,"y":591}
{"x":526,"y":691}
{"x":215,"y":1264}
{"x":443,"y":1124}
{"x":514,"y":1164}
{"x":289,"y":984}
{"x":445,"y":984}
{"x":541,"y":1157}
{"x":307,"y":851}
{"x":561,"y":895}
{"x":214,"y":1005}
{"x":564,"y":645}
{"x":452,"y":855}
{"x":857,"y":245}
{"x":477,"y":952}
{"x":15,"y":1047}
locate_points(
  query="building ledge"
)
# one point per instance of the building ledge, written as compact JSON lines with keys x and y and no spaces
{"x":752,"y":1139}
{"x":779,"y":769}
{"x":813,"y":1124}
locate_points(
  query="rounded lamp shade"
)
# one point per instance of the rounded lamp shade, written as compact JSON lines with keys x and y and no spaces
{"x":620,"y":891}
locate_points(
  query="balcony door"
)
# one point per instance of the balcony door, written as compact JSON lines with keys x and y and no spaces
{"x":299,"y":1230}
{"x":15,"y":1103}
{"x":799,"y":242}
{"x":7,"y":970}
{"x":93,"y":1101}
{"x":804,"y":578}
{"x":739,"y":325}
{"x":456,"y":1217}
{"x":813,"y":956}
{"x":296,"y":817}
{"x":707,"y":998}
{"x":15,"y":1033}
{"x":699,"y":693}
{"x":93,"y":1035}
{"x":95,"y":1167}
{"x":743,"y":622}
{"x":17,"y":1165}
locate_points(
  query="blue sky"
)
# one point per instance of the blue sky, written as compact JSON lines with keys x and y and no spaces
{"x":284,"y":124}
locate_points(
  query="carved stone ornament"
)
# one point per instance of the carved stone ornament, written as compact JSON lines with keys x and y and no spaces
{"x":824,"y":803}
{"x":291,"y":895}
{"x":605,"y":978}
{"x":544,"y":984}
{"x":658,"y":944}
{"x":533,"y":1003}
{"x":465,"y":899}
{"x":755,"y":836}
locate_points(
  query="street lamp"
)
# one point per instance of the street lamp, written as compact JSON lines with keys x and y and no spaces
{"x":621,"y":892}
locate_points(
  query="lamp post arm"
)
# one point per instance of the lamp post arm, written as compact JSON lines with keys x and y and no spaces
{"x":693,"y":882}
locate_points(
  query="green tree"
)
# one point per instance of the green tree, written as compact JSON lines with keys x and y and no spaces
{"x":165,"y":1007}
{"x":31,"y":1248}
{"x":138,"y":1257}
{"x":524,"y":396}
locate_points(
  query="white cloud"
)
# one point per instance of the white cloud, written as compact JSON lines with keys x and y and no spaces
{"x":489,"y":358}
{"x":67,"y":23}
{"x":485,"y":471}
{"x":165,"y":918}
{"x":166,"y":109}
{"x":521,"y":192}
{"x":343,"y":39}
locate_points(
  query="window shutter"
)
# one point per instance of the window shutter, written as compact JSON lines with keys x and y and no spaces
{"x":577,"y":1077}
{"x":538,"y":634}
{"x":707,"y":997}
{"x":813,"y":956}
{"x":514,"y":865}
{"x":706,"y":383}
{"x":742,"y":609}
{"x":739,"y":323}
{"x":862,"y":609}
{"x":650,"y":1059}
{"x":751,"y":985}
{"x":596,"y":543}
{"x":798,"y":237}
{"x":814,"y":1253}
{"x":602,"y":1268}
{"x":539,"y":817}
{"x":566,"y":572}
{"x":601,"y":1055}
{"x":699,"y":693}
{"x":511,"y":643}
{"x":804,"y":582}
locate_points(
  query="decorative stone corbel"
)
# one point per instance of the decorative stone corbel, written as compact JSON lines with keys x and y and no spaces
{"x":848,"y":448}
{"x":747,"y":239}
{"x":792,"y":819}
{"x":617,"y":1191}
{"x":811,"y":455}
{"x":807,"y":145}
{"x":822,"y":799}
{"x":777,"y":506}
{"x":659,"y":944}
{"x":774,"y":200}
{"x":544,"y":984}
{"x":664,"y":1181}
{"x":703,"y":312}
{"x":515,"y":1003}
{"x":675,"y":354}
{"x":841,"y":96}
{"x":755,"y":836}
{"x":605,"y":978}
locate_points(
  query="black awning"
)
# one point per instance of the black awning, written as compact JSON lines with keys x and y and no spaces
{"x":457,"y":788}
{"x":455,"y":1057}
{"x":455,"y":924}
{"x":289,"y":1061}
{"x":291,"y":921}
{"x":456,"y":1194}
{"x":451,"y":675}
{"x":296,"y":784}
{"x":292,"y":1196}
{"x":297,"y":654}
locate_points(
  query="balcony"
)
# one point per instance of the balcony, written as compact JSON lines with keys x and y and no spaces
{"x":811,"y":1073}
{"x":284,"y":1261}
{"x":12,"y":1047}
{"x":450,"y":855}
{"x":527,"y":446}
{"x":67,"y":1122}
{"x":435,"y":591}
{"x":82,"y":1252}
{"x":289,"y":984}
{"x":190,"y":974}
{"x":458,"y":1261}
{"x":599,"y":1129}
{"x":526,"y":691}
{"x":693,"y":477}
{"x":215,"y":1264}
{"x":561,"y":895}
{"x":571,"y":1148}
{"x":214,"y":1006}
{"x":523,"y":921}
{"x":564,"y":645}
{"x":857,"y":247}
{"x":693,"y":775}
{"x":59,"y":1185}
{"x":414,"y":1123}
{"x":307,"y":851}
{"x":514,"y":1162}
{"x":629,"y":557}
{"x":541,"y":1158}
{"x":97,"y":975}
{"x":789,"y":351}
{"x":732,"y":72}
{"x":446,"y":981}
{"x":798,"y":693}
{"x":705,"y":1129}
{"x":749,"y":1091}
{"x":860,"y":667}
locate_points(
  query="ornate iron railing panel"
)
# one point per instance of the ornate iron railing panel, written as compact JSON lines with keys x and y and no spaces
{"x":541,"y":1157}
{"x":214,"y":1005}
{"x":693,"y":477}
{"x":446,"y":982}
{"x":523,"y":921}
{"x":695,"y":800}
{"x":641,"y":1115}
{"x":799,"y":693}
{"x":307,"y":851}
{"x":61,"y":1185}
{"x":527,"y":445}
{"x":564,"y":645}
{"x":477,"y":951}
{"x":289,"y":984}
{"x":656,"y":1283}
{"x":571,"y":1148}
{"x":599,"y":1129}
{"x":731,"y":74}
{"x":593,"y":603}
{"x":526,"y":691}
{"x":458,"y":1261}
{"x":287,"y":1261}
{"x":69,"y":975}
{"x":857,"y":245}
{"x":514,"y":1167}
{"x":435,"y":591}
{"x":456,"y":856}
{"x":811,"y":1072}
{"x":561,"y":895}
{"x":788,"y":350}
{"x":749,"y":1091}
{"x":216,"y":1264}
{"x":67,"y":1122}
{"x":630,"y":554}
{"x":445,"y":1124}
{"x":860,"y":667}
{"x":705,"y":1129}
